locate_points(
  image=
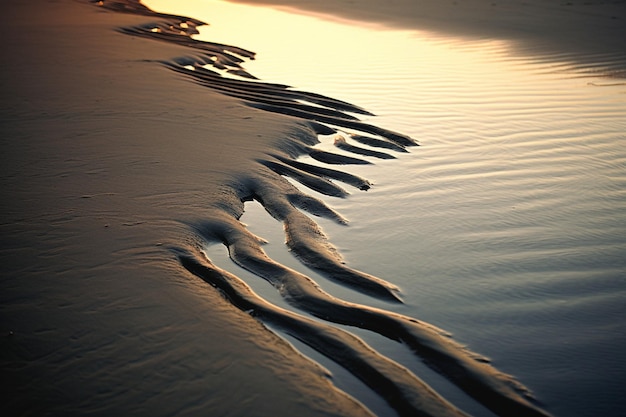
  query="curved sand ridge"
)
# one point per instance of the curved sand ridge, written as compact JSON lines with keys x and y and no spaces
{"x":316,"y":114}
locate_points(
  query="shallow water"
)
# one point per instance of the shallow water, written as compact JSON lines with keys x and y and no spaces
{"x":507,"y":227}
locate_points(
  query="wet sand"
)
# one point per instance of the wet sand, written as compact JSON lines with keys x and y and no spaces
{"x":117,"y":169}
{"x":104,"y":156}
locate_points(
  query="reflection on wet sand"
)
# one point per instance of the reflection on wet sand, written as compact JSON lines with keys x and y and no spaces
{"x":218,"y":68}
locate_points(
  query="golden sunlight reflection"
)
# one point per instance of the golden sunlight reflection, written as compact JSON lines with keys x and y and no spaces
{"x":310,"y":53}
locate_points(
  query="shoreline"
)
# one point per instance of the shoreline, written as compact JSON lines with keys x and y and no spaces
{"x":124,"y":157}
{"x":98,"y":316}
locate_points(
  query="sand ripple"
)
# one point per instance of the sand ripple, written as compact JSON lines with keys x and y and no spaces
{"x":219,"y":68}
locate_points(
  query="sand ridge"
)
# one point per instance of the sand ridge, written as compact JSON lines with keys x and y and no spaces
{"x":88,"y":191}
{"x":497,"y":391}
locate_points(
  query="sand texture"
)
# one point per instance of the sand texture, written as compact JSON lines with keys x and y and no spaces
{"x":127,"y":146}
{"x":99,"y":147}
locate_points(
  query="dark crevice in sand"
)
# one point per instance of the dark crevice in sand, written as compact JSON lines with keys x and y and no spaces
{"x":213,"y":79}
{"x":314,"y":182}
{"x":378,"y":143}
{"x":497,"y":391}
{"x":341,"y":122}
{"x":307,"y":241}
{"x":279,"y":99}
{"x":334,"y":158}
{"x":402,"y":390}
{"x":347,"y":178}
{"x":314,"y":115}
{"x":341,"y":143}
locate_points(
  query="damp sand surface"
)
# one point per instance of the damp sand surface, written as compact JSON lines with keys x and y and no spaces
{"x":126,"y":179}
{"x":105,"y":156}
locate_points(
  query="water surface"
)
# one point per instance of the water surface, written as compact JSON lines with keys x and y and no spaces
{"x":506,"y":227}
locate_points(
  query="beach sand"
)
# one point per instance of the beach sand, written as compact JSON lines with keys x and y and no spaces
{"x":116,"y":170}
{"x":99,"y":149}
